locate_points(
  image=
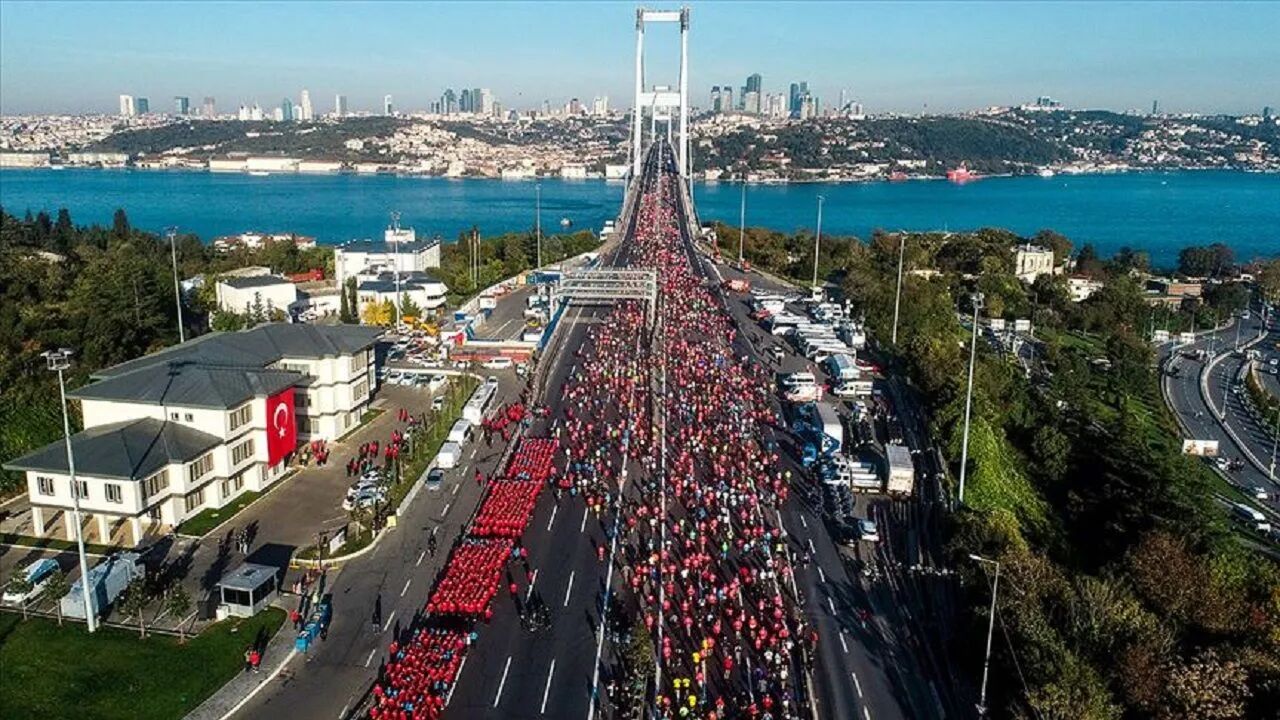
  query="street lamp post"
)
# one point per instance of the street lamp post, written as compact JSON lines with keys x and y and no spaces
{"x":537,"y":219}
{"x":177,"y":288}
{"x":968,"y":398}
{"x":1275,"y":440}
{"x":991,"y":626}
{"x":897,"y":298}
{"x":817,"y":240}
{"x":59,"y":360}
{"x":742,"y":220}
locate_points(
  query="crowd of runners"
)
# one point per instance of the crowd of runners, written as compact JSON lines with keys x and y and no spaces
{"x":662,"y":433}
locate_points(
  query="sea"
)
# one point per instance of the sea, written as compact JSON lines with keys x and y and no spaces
{"x":1159,"y":212}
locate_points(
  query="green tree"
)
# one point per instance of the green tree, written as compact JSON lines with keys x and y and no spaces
{"x":178,"y":603}
{"x":120,"y":229}
{"x":57,"y":588}
{"x":408,"y":307}
{"x":134,"y":603}
{"x":224,"y":321}
{"x":20,"y":584}
{"x":344,"y":307}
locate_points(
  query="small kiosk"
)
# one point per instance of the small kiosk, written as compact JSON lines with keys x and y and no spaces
{"x":246,"y":590}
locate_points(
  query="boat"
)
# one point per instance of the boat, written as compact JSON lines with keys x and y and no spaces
{"x":259,"y":173}
{"x":961,"y":174}
{"x":1046,"y":172}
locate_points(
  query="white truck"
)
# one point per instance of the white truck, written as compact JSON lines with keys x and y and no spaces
{"x":842,"y":368}
{"x":901,"y":476}
{"x":449,"y":456}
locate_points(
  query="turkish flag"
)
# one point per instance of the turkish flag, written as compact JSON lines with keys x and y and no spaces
{"x":282,"y":426}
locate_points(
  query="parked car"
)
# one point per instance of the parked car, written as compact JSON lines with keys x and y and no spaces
{"x":364,"y":498}
{"x":37,"y":575}
{"x":437,"y":403}
{"x":868,"y":531}
{"x":498,"y":363}
{"x":435,"y":478}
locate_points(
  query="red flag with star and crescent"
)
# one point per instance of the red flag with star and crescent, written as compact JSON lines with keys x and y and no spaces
{"x":282,"y":426}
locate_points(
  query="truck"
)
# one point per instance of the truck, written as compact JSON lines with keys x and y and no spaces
{"x":842,"y":368}
{"x":106,"y":581}
{"x":863,"y":477}
{"x":449,"y":455}
{"x":820,"y":429}
{"x":737,"y":285}
{"x":901,"y":475}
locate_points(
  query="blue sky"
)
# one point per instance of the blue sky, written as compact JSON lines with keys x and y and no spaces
{"x":901,"y":56}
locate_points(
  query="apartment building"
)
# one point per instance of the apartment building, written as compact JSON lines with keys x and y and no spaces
{"x":194,"y":426}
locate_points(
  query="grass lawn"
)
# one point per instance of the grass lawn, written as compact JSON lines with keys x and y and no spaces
{"x":53,"y":543}
{"x":206,"y":520}
{"x":51,"y":671}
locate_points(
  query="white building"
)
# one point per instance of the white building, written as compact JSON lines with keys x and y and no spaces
{"x":269,"y":292}
{"x":196,"y":425}
{"x":1081,"y":287}
{"x":399,"y":251}
{"x":1032,"y":261}
{"x":424,"y":289}
{"x":307,"y":112}
{"x":127,"y":106}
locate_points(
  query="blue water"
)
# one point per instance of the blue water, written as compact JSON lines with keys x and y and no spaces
{"x":1157,"y":212}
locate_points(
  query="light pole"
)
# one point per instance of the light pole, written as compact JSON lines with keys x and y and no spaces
{"x":1275,"y":440}
{"x":59,"y":360}
{"x":897,"y":298}
{"x":968,"y":398}
{"x":537,"y":219}
{"x":177,"y":291}
{"x":742,"y":220}
{"x":991,"y":626}
{"x":817,"y":240}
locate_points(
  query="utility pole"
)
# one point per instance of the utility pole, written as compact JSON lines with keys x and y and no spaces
{"x":537,"y":219}
{"x":897,"y":298}
{"x":991,"y":626}
{"x":742,"y":219}
{"x":817,"y":239}
{"x":57,"y":361}
{"x":968,"y":398}
{"x":395,"y":235}
{"x":1275,"y":440}
{"x":177,"y":288}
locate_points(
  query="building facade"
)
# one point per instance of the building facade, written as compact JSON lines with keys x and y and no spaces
{"x":1032,"y":261}
{"x":400,"y":251}
{"x":195,"y":426}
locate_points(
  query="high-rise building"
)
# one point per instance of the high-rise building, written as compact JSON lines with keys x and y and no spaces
{"x":449,"y":102}
{"x":776,"y":105}
{"x":181,"y":105}
{"x":477,"y":105}
{"x":754,"y":83}
{"x":142,"y":105}
{"x":127,"y":107}
{"x":546,"y":108}
{"x":1266,"y":113}
{"x":575,"y":107}
{"x":843,"y":103}
{"x":715,"y":98}
{"x":751,"y":102}
{"x":210,"y":108}
{"x":798,"y":91}
{"x":600,"y":106}
{"x":808,"y":107}
{"x":486,"y":101}
{"x":286,"y":110}
{"x":340,"y":105}
{"x":1155,"y":107}
{"x":278,"y":114}
{"x":464,"y":101}
{"x":308,"y":113}
{"x":726,"y":98}
{"x":386,"y":105}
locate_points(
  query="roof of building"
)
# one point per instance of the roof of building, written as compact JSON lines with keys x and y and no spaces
{"x":383,"y":247}
{"x":248,"y":576}
{"x":258,"y":347}
{"x":131,"y":450}
{"x":190,"y":383}
{"x":254,"y":281}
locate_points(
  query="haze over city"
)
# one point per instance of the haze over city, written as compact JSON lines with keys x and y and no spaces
{"x":893,"y":57}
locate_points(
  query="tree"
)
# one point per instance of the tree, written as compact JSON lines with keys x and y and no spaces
{"x":224,"y":321}
{"x":20,"y":584}
{"x":1209,"y":687}
{"x":1206,"y":260}
{"x":378,"y":313}
{"x":120,"y":229}
{"x":1269,"y":280}
{"x":344,"y":308}
{"x":178,"y":603}
{"x":408,"y":307}
{"x":134,"y":603}
{"x":57,"y":587}
{"x":257,"y":311}
{"x":353,"y":300}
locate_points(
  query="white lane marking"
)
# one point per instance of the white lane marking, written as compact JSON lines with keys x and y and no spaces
{"x":446,"y":508}
{"x":866,"y":713}
{"x":387,"y":624}
{"x":569,"y":588}
{"x":498,"y":697}
{"x":454,"y":686}
{"x":812,"y":549}
{"x":554,"y":508}
{"x":366,"y":664}
{"x":454,"y":491}
{"x":406,"y":587}
{"x":831,"y":605}
{"x":857,"y":685}
{"x":843,"y":644}
{"x":546,"y":692}
{"x":822,"y":574}
{"x":804,"y":522}
{"x":424,"y":554}
{"x":583,"y":526}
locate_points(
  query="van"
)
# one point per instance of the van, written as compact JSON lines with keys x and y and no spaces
{"x":460,"y":432}
{"x":37,"y":575}
{"x":498,"y":363}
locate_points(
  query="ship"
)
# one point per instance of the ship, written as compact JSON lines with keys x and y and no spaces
{"x":960,"y":174}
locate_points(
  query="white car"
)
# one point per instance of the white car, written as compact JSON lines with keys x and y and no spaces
{"x":868,"y":531}
{"x":37,"y":574}
{"x":498,"y":363}
{"x":436,"y":382}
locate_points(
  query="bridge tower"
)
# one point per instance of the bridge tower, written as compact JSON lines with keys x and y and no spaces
{"x":660,"y":101}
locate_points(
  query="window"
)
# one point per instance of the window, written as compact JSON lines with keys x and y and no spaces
{"x":310,"y":425}
{"x":242,"y":452}
{"x":173,"y":416}
{"x":154,"y":513}
{"x":189,"y":417}
{"x":361,"y":390}
{"x":301,"y":399}
{"x":231,"y":486}
{"x":241,"y":415}
{"x":44,"y":485}
{"x":114,"y":495}
{"x":156,"y":483}
{"x":358,"y":363}
{"x":80,"y":488}
{"x":194,"y":500}
{"x":198,"y":469}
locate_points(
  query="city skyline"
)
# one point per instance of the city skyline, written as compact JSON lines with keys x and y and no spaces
{"x":903,"y":58}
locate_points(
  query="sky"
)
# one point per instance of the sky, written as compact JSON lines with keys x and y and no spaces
{"x":893,"y":57}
